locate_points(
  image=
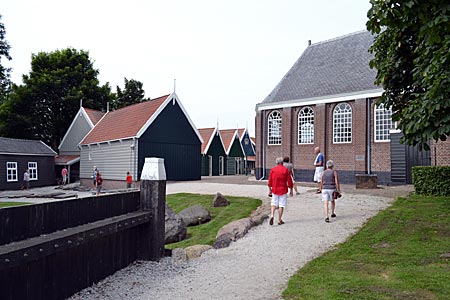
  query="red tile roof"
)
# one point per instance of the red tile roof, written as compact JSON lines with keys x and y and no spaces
{"x":123,"y":123}
{"x":206,"y":136}
{"x":66,"y":159}
{"x":94,"y":115}
{"x":227,"y":138}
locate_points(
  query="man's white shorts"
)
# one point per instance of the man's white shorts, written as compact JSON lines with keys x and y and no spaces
{"x":279,"y":200}
{"x":318,"y":174}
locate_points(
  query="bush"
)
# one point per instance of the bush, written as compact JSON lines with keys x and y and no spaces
{"x":431,"y":180}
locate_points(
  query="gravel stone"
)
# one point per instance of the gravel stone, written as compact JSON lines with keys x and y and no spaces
{"x":257,"y":266}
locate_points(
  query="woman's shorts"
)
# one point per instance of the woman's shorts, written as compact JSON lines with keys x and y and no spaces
{"x":327,"y":195}
{"x":279,"y":200}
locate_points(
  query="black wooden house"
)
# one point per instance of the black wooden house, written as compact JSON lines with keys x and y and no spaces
{"x":17,"y":155}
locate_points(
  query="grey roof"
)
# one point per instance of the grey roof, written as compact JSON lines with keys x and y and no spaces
{"x":333,"y":67}
{"x":25,"y":147}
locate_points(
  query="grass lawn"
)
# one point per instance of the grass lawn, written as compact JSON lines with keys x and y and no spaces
{"x":205,"y":234}
{"x":6,"y":204}
{"x":402,"y":253}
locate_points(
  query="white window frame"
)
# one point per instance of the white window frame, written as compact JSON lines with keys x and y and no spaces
{"x":342,"y":123}
{"x":11,"y":168}
{"x":274,"y":128}
{"x":33,"y":170}
{"x":382,"y":123}
{"x":305,"y":118}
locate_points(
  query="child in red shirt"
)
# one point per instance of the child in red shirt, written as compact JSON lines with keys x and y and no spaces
{"x":129,"y":180}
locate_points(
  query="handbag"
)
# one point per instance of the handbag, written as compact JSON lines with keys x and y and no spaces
{"x":336,"y":195}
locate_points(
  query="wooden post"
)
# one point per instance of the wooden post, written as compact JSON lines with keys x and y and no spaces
{"x":153,"y":199}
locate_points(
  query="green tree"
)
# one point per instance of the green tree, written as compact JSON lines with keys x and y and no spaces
{"x":412,"y":58}
{"x":132,"y":93}
{"x":5,"y":73}
{"x":44,"y":106}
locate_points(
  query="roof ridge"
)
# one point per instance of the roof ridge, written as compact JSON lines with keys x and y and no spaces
{"x":206,"y":128}
{"x":338,"y":38}
{"x":146,"y":101}
{"x":17,"y":139}
{"x":92,"y":109}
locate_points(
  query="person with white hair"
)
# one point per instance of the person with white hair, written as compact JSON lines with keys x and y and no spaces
{"x":318,"y":163}
{"x":328,"y":185}
{"x":280,"y":181}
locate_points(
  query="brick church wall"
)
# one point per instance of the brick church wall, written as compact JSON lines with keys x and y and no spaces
{"x":440,"y":152}
{"x":350,"y":158}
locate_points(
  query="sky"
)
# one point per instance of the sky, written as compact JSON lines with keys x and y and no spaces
{"x":221,"y":57}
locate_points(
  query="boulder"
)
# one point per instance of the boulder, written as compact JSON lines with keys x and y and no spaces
{"x":231,"y":232}
{"x":220,"y":200}
{"x":175,"y":227}
{"x":258,"y":216}
{"x":179,"y":255}
{"x":195,"y":215}
{"x":196,"y":250}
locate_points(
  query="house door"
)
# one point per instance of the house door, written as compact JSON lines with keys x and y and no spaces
{"x":221,"y":165}
{"x":403,"y":158}
{"x":238,"y":165}
{"x":210,"y":164}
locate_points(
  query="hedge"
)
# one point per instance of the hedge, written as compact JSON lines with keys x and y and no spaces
{"x":431,"y":180}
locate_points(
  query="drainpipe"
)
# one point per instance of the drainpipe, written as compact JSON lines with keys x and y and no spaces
{"x":368,"y":149}
{"x":291,"y":138}
{"x":263,"y":148}
{"x":133,"y":155}
{"x":435,"y":155}
{"x":324,"y":152}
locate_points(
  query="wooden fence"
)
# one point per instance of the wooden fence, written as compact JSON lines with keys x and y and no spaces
{"x":52,"y":250}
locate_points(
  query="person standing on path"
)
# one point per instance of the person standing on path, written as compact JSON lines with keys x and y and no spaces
{"x":279,"y":181}
{"x":64,"y":175}
{"x":290,"y":168}
{"x":318,"y":163}
{"x":328,"y":185}
{"x":129,"y":180}
{"x":99,"y":182}
{"x":26,"y":180}
{"x":94,"y":176}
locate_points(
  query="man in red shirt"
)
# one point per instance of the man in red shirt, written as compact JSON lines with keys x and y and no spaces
{"x":279,"y":182}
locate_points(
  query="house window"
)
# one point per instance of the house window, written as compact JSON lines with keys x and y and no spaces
{"x":306,"y":126}
{"x":383,"y":123}
{"x":342,"y":123}
{"x":11,"y":171}
{"x":274,"y":128}
{"x":32,"y":168}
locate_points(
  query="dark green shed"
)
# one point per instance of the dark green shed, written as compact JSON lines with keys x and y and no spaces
{"x":213,"y":152}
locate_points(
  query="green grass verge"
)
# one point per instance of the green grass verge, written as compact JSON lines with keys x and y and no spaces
{"x":402,"y":253}
{"x":205,"y":234}
{"x":6,"y":204}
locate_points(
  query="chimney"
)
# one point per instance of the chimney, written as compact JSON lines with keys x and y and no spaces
{"x":309,"y":42}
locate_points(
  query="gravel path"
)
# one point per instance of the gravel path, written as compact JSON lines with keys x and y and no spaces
{"x":257,"y":266}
